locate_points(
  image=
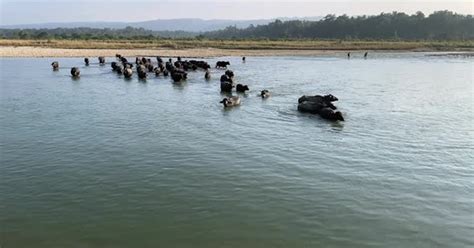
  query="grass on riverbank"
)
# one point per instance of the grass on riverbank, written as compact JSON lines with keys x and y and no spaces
{"x":246,"y":44}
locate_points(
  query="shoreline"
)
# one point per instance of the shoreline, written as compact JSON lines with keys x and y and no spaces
{"x":40,"y":52}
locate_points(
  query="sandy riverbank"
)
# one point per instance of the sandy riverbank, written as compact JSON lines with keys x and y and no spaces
{"x":10,"y":51}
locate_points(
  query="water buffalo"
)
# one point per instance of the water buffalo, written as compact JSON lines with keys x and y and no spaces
{"x":75,"y":72}
{"x":177,"y":77}
{"x":128,"y":65}
{"x":101,"y":60}
{"x":324,"y":101}
{"x":141,"y":71}
{"x":207,"y":75}
{"x":55,"y":65}
{"x":116,"y":67}
{"x":243,"y":59}
{"x":321,"y":105}
{"x":222,"y":64}
{"x":241,"y":88}
{"x":127,"y":72}
{"x":265,"y":93}
{"x":141,"y":68}
{"x":169,"y":66}
{"x":86,"y":61}
{"x":331,"y":115}
{"x":226,"y":87}
{"x":119,"y":68}
{"x":157,"y":71}
{"x":225,"y":78}
{"x":310,"y":107}
{"x":141,"y":74}
{"x":229,"y":73}
{"x":150,"y":67}
{"x":199,"y":64}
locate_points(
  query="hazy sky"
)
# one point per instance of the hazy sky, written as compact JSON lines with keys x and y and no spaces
{"x":40,"y":11}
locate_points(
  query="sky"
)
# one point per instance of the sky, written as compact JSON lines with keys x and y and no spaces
{"x":42,"y":11}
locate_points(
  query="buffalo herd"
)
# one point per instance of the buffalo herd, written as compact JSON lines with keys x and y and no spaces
{"x":321,"y":105}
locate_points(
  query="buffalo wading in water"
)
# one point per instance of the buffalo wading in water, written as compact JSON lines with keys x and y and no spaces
{"x":86,"y":61}
{"x":226,"y":87}
{"x":265,"y":93}
{"x":75,"y":72}
{"x":323,"y":101}
{"x":241,"y":88}
{"x":141,"y":71}
{"x":127,"y":72}
{"x":55,"y":65}
{"x":321,"y":105}
{"x":225,"y":78}
{"x":157,"y":71}
{"x":101,"y":60}
{"x":222,"y":64}
{"x":229,"y":73}
{"x":207,"y":75}
{"x":178,"y":75}
{"x":329,"y":114}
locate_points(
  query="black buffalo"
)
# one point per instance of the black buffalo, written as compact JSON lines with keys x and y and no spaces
{"x":241,"y":88}
{"x":222,"y":64}
{"x":55,"y":65}
{"x":229,"y":73}
{"x":75,"y":72}
{"x":226,"y":87}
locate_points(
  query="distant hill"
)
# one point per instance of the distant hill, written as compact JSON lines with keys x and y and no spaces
{"x":188,"y":25}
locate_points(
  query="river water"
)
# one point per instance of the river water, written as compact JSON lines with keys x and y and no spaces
{"x":106,"y":162}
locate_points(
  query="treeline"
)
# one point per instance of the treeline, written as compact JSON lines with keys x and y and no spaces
{"x":92,"y":33}
{"x":440,"y":25}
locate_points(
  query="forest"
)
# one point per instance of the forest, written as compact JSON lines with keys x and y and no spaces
{"x":440,"y":25}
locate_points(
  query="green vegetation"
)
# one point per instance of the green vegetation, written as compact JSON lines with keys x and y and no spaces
{"x":441,"y":25}
{"x":91,"y":34}
{"x":442,"y":30}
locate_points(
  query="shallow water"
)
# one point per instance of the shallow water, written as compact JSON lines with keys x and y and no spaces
{"x":108,"y":162}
